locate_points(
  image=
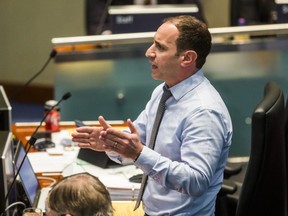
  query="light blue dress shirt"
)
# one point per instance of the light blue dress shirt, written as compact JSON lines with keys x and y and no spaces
{"x":185,"y":168}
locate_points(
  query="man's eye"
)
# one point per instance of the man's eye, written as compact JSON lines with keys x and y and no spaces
{"x":159,"y":47}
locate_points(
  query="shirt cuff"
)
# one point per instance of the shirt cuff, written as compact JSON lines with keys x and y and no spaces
{"x":147,"y":159}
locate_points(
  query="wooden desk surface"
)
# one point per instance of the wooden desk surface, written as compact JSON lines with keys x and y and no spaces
{"x":125,"y":208}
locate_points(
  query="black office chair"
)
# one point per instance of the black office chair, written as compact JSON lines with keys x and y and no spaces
{"x":286,"y":146}
{"x":264,"y":188}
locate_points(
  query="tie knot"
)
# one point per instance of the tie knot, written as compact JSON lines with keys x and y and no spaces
{"x":166,"y":94}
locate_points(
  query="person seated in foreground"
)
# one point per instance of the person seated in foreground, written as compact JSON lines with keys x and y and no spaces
{"x":78,"y":195}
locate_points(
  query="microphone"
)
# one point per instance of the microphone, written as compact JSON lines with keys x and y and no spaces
{"x":65,"y":96}
{"x":32,"y":141}
{"x":17,"y":92}
{"x":47,"y":142}
{"x":33,"y":138}
{"x":53,"y":53}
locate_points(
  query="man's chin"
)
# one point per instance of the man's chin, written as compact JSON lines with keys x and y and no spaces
{"x":155,"y":76}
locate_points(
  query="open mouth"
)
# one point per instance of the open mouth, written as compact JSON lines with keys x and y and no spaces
{"x":153,"y":66}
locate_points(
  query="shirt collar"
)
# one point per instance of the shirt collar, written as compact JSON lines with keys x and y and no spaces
{"x":185,"y":86}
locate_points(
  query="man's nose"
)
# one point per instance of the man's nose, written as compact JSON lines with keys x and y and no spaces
{"x":149,"y":53}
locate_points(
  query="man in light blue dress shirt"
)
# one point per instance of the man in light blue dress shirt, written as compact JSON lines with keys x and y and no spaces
{"x":185,"y":168}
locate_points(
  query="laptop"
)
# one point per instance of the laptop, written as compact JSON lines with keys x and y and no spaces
{"x":146,"y":18}
{"x":35,"y":195}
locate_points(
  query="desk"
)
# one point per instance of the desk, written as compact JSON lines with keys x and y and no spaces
{"x":23,"y":131}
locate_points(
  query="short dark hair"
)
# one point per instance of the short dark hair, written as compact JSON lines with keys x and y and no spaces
{"x":193,"y":35}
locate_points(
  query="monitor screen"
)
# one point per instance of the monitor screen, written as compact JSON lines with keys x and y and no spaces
{"x":253,"y":12}
{"x":5,"y":111}
{"x":28,"y":178}
{"x":282,"y":11}
{"x":6,"y":168}
{"x":146,"y":18}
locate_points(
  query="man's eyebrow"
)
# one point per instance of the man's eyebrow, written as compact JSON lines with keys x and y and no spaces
{"x":159,"y":44}
{"x":156,"y":42}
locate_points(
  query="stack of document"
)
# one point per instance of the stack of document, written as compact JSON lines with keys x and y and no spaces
{"x":117,"y":181}
{"x":120,"y":188}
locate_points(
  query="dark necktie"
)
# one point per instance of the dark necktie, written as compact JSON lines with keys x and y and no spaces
{"x":160,"y":111}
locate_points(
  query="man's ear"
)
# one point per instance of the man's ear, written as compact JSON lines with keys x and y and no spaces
{"x":188,"y":57}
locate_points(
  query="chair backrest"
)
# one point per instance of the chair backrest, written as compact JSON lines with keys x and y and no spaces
{"x":264,"y":187}
{"x":286,"y":145}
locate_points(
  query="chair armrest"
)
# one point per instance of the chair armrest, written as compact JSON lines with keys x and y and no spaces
{"x":228,"y":187}
{"x":231,"y":170}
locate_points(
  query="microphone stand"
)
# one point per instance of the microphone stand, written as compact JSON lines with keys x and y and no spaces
{"x":32,"y":141}
{"x":52,"y":55}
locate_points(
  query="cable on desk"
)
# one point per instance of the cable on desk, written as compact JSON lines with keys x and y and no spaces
{"x":68,"y":165}
{"x":47,"y":178}
{"x":13,"y":204}
{"x":81,"y":165}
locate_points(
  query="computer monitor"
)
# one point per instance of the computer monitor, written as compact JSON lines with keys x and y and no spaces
{"x":282,"y":11}
{"x":6,"y":169}
{"x":5,"y":111}
{"x":146,"y":18}
{"x":252,"y":12}
{"x":27,"y":176}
